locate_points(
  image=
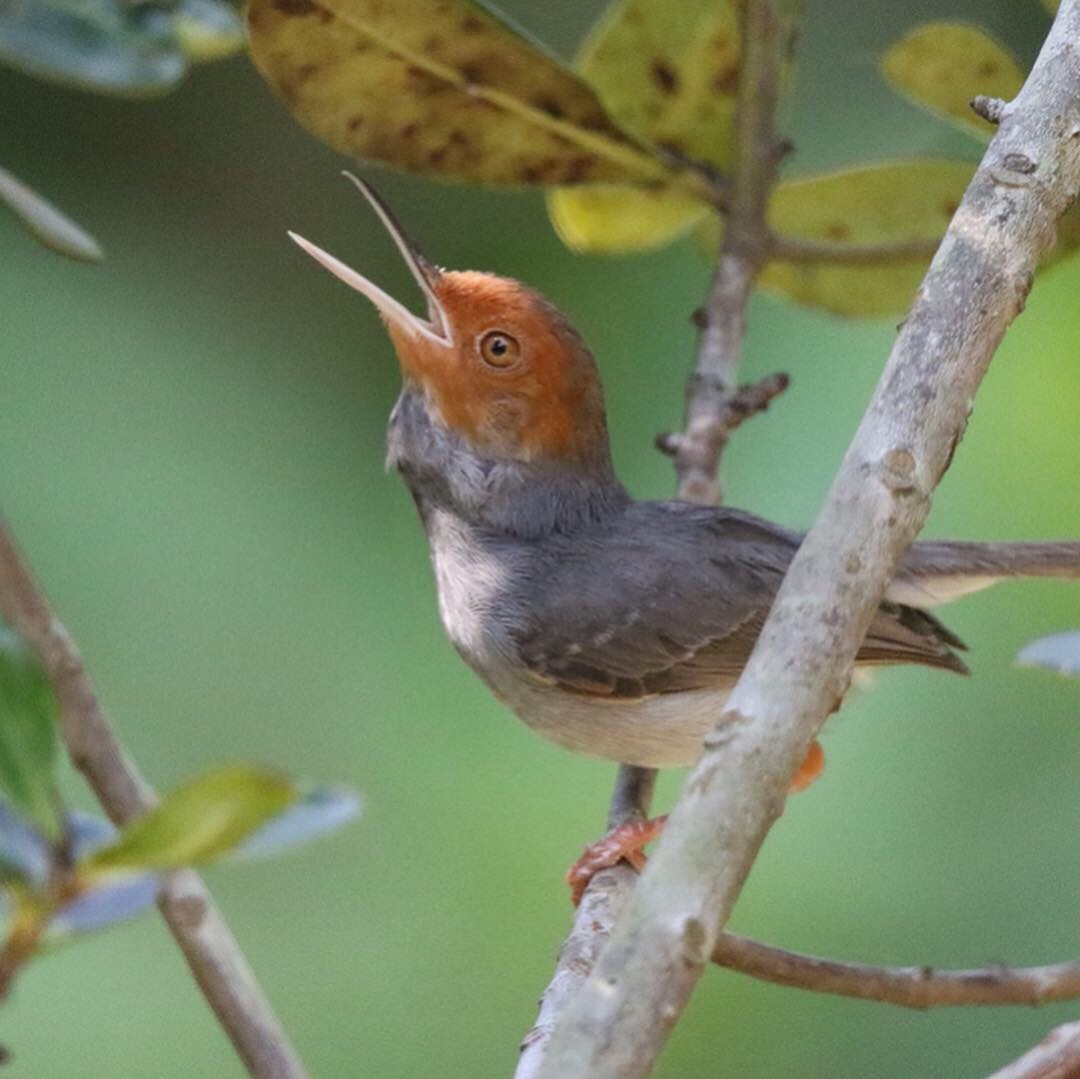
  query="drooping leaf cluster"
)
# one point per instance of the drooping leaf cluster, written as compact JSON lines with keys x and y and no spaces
{"x":633,"y":144}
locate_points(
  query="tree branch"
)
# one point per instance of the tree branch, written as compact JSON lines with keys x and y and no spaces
{"x":715,"y":406}
{"x":215,"y":959}
{"x":800,"y":668}
{"x":1057,"y":1056}
{"x":909,"y":987}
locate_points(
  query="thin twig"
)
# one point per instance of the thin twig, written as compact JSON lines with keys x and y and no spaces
{"x":989,"y":108}
{"x":715,"y":406}
{"x":800,"y":667}
{"x":1057,"y":1056}
{"x":908,"y":987}
{"x":211,"y":951}
{"x":795,"y":249}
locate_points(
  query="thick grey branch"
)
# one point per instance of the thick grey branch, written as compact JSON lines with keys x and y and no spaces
{"x":209,"y":947}
{"x":799,"y":671}
{"x":1057,"y":1056}
{"x":909,"y":987}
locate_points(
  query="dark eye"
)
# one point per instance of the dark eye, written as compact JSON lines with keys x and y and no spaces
{"x":499,"y":349}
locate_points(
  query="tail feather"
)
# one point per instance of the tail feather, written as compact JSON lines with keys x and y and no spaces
{"x":936,"y":571}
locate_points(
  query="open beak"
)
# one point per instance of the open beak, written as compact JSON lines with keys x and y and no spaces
{"x":435,"y":327}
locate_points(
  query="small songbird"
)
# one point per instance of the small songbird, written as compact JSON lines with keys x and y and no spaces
{"x":611,"y":626}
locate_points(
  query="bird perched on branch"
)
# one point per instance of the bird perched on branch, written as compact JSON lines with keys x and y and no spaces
{"x":613,"y":627}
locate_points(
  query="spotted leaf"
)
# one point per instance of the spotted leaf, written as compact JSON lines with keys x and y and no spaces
{"x":667,"y":70}
{"x":895,"y":204}
{"x":441,"y":87}
{"x":943,"y":65}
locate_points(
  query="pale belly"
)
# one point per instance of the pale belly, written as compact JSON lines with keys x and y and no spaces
{"x":659,"y":732}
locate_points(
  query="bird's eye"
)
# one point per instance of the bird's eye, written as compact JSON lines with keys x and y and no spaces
{"x":499,"y":349}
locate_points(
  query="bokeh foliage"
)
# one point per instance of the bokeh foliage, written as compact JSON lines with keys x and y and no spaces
{"x":191,"y":445}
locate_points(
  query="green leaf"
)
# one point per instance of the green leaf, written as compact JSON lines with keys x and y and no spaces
{"x":197,"y":822}
{"x":943,"y":65}
{"x":440,"y":87}
{"x":28,"y":737}
{"x":1051,"y":5}
{"x":207,"y":30}
{"x":108,"y":46}
{"x":51,"y":226}
{"x":666,"y":70}
{"x":871,"y":205}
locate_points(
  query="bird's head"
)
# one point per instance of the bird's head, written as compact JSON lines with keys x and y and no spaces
{"x":497,"y":366}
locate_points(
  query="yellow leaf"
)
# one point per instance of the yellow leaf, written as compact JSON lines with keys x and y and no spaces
{"x":613,"y":220}
{"x":442,"y":87}
{"x":1051,"y":6}
{"x":943,"y":65}
{"x":883,"y":205}
{"x":667,"y":71}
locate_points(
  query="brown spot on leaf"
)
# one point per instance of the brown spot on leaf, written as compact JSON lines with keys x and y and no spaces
{"x":410,"y":131}
{"x":458,"y":138}
{"x":294,"y":7}
{"x":472,"y":73}
{"x":949,"y":207}
{"x":437,"y":156}
{"x":551,"y":107}
{"x":579,"y":167}
{"x":471,"y":25}
{"x":531,"y":174}
{"x":837,"y":231}
{"x":355,"y":123}
{"x":665,"y":77}
{"x":324,"y":16}
{"x":988,"y":68}
{"x":305,"y":71}
{"x":726,"y":81}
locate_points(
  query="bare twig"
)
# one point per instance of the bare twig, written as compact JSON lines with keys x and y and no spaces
{"x":909,"y":987}
{"x":800,"y":668}
{"x":1057,"y":1056}
{"x":212,"y":953}
{"x":715,"y":406}
{"x":794,"y":249}
{"x":989,"y":108}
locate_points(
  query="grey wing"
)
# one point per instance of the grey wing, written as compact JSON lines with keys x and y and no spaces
{"x":673,"y":598}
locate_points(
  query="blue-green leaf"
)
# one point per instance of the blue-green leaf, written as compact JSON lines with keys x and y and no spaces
{"x":1059,"y":653}
{"x":52,"y":227}
{"x":103,"y":45}
{"x":25,"y":856}
{"x":321,"y":809}
{"x":27,"y":735}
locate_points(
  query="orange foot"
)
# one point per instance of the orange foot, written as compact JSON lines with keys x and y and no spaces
{"x":625,"y":843}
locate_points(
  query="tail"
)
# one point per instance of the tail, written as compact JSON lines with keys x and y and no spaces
{"x":934,"y":572}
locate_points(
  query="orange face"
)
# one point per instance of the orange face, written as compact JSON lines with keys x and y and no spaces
{"x":513,"y":379}
{"x":502,"y":367}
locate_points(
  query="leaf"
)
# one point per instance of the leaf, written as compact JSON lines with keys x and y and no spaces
{"x":1051,"y":5}
{"x":105,"y":905}
{"x":320,"y":810}
{"x":197,"y":822}
{"x":615,"y":220}
{"x":207,"y":30}
{"x":887,"y":204}
{"x":27,"y":735}
{"x":25,"y":856}
{"x":1059,"y":653}
{"x":943,"y":65}
{"x":440,"y":87}
{"x":51,"y":226}
{"x":666,"y":70}
{"x":108,"y":46}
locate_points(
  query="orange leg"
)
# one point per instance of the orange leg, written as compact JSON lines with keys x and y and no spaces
{"x":625,"y":843}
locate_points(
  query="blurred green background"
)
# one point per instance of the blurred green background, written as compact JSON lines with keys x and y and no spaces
{"x":191,"y":440}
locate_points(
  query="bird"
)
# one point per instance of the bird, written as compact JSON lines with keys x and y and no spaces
{"x":612,"y":626}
